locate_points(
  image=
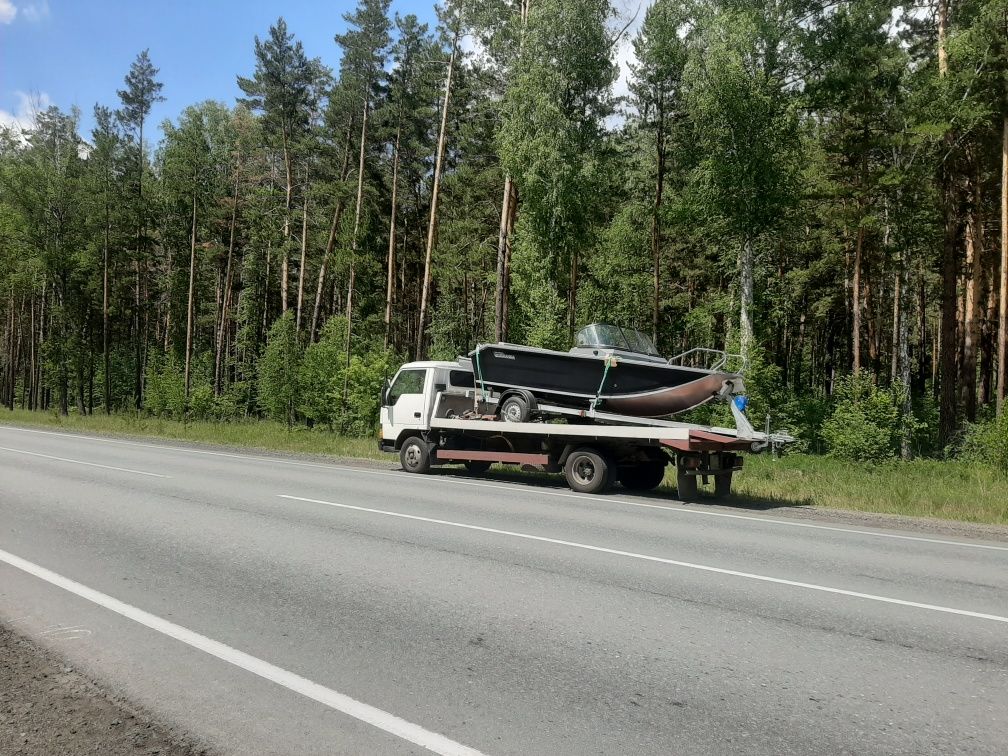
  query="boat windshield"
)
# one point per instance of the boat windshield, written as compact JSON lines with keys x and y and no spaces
{"x":614,"y":337}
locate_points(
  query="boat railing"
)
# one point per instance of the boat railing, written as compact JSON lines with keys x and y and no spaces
{"x":709,"y":359}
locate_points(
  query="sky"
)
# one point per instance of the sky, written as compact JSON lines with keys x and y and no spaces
{"x":76,"y":52}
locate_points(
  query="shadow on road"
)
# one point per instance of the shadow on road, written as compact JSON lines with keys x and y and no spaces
{"x":665,"y":494}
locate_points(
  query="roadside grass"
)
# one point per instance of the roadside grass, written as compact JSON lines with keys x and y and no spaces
{"x":253,"y":434}
{"x":949,"y":490}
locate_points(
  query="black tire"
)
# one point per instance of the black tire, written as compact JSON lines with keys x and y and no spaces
{"x":722,"y":484}
{"x":646,"y":476}
{"x":686,"y":485}
{"x":586,"y":471}
{"x":477,"y":466}
{"x":415,"y":455}
{"x":514,"y":409}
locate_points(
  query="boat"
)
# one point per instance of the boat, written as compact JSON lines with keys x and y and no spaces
{"x":611,"y":369}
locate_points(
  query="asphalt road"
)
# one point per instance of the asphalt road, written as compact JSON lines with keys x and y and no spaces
{"x":269,"y":605}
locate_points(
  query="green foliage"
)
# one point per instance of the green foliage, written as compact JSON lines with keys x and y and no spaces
{"x":986,"y":442}
{"x":867,"y":423}
{"x":321,"y":375}
{"x":279,"y":369}
{"x":201,"y":403}
{"x":165,"y":394}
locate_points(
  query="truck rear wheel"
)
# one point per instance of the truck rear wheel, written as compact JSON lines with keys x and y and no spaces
{"x":642,"y":477}
{"x":586,"y":471}
{"x":415,"y":455}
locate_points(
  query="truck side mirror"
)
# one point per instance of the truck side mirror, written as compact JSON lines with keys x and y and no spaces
{"x":385,"y":391}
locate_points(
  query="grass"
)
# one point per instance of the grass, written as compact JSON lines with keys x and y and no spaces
{"x":253,"y":434}
{"x":948,"y":490}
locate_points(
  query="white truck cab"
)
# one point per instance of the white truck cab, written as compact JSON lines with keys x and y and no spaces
{"x":408,"y":399}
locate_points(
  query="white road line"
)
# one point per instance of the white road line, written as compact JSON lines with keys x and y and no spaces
{"x":603,"y":499}
{"x":662,"y":560}
{"x":383,"y":720}
{"x":81,"y":462}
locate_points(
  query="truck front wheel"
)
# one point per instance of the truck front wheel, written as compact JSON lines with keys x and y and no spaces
{"x":415,"y":455}
{"x":586,"y":471}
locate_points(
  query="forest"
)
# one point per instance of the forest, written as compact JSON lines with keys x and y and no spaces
{"x":818,"y":185}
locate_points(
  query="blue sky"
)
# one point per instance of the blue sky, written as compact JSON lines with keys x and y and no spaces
{"x":76,"y":52}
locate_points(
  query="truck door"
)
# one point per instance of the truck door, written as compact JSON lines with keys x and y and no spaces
{"x":406,"y":399}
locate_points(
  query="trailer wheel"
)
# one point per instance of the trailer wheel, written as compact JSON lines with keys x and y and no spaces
{"x":477,"y":466}
{"x":586,"y":471}
{"x":686,"y":485}
{"x":642,"y":477}
{"x":514,"y":409}
{"x":415,"y":455}
{"x":722,"y":484}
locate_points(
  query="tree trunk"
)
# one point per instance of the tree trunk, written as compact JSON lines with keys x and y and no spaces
{"x":503,"y":260}
{"x":390,"y":278}
{"x":948,"y":409}
{"x":746,"y":297}
{"x":330,"y":242}
{"x":1003,"y":284}
{"x":435,"y":191}
{"x":284,"y":262}
{"x":304,"y":256}
{"x":353,"y":246}
{"x":107,"y":383}
{"x":138,"y":347}
{"x":904,"y":353}
{"x":222,"y":325}
{"x":856,"y":299}
{"x":192,"y":285}
{"x":656,"y":220}
{"x":976,"y":294}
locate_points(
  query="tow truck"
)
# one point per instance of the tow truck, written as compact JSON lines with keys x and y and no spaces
{"x":433,"y":413}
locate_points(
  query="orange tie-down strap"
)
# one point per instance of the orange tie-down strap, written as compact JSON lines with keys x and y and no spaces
{"x":706,"y":441}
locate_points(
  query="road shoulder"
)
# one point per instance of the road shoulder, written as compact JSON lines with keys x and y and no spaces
{"x":48,"y":707}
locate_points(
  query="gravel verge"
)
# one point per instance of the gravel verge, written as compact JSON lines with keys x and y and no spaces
{"x":48,"y":708}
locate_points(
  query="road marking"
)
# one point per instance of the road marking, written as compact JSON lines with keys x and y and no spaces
{"x":600,"y":499}
{"x":661,"y":560}
{"x":81,"y":462}
{"x":383,"y":720}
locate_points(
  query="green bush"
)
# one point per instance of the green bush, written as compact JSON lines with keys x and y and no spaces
{"x":867,"y":421}
{"x":278,"y":371}
{"x":165,"y":394}
{"x":201,"y":403}
{"x":986,"y":442}
{"x":321,"y":374}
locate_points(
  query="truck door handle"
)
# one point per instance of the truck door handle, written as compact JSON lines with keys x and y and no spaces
{"x":416,"y":414}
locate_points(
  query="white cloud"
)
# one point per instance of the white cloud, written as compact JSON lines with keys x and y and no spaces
{"x":7,"y":11}
{"x":35,"y":11}
{"x":27,"y":106}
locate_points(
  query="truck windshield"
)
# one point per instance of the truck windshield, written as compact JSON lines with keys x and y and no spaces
{"x":407,"y":382}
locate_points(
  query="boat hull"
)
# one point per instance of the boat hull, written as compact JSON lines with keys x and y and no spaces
{"x":646,"y":388}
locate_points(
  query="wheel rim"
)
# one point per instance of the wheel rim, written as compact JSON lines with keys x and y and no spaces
{"x":512,"y":412}
{"x":584,"y":470}
{"x":412,"y":455}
